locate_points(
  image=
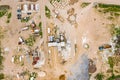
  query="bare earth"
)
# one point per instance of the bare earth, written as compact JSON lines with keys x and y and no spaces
{"x":91,"y":26}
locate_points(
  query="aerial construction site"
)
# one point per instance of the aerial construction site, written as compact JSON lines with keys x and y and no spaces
{"x":59,"y":40}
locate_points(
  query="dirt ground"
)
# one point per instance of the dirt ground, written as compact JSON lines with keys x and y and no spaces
{"x":91,"y":25}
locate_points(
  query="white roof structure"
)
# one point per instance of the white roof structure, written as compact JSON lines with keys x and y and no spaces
{"x":54,"y":44}
{"x":25,"y":7}
{"x":48,"y":30}
{"x":12,"y":60}
{"x":40,"y":62}
{"x":50,"y":38}
{"x":37,"y":7}
{"x":62,"y":43}
{"x":18,"y":76}
{"x":32,"y":7}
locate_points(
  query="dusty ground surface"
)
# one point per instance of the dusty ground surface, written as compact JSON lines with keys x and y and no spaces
{"x":90,"y":25}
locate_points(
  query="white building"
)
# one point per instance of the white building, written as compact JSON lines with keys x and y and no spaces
{"x":30,"y":8}
{"x":55,"y":44}
{"x":25,"y":7}
{"x":37,"y":7}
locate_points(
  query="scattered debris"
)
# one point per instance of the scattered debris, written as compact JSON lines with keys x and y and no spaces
{"x":71,"y":11}
{"x":72,"y":17}
{"x":92,"y":67}
{"x":58,"y":16}
{"x":21,"y":41}
{"x":25,"y":28}
{"x":59,"y":3}
{"x":86,"y":46}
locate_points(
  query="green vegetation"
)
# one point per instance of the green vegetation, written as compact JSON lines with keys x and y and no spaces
{"x":99,"y":76}
{"x":30,"y":41}
{"x":9,"y":15}
{"x":113,"y":77}
{"x":4,"y":7}
{"x":22,"y":63}
{"x":1,"y":56}
{"x":26,"y":72}
{"x":101,"y":5}
{"x":1,"y":33}
{"x":84,"y":4}
{"x":111,"y":62}
{"x":116,"y":14}
{"x":3,"y":10}
{"x":110,"y":18}
{"x":116,"y":31}
{"x":47,"y":12}
{"x":109,"y":7}
{"x":33,"y":75}
{"x":40,"y":26}
{"x":1,"y":59}
{"x":16,"y":59}
{"x":58,"y":0}
{"x":111,"y":10}
{"x":8,"y":21}
{"x":54,"y":1}
{"x":25,"y":19}
{"x":113,"y":6}
{"x":2,"y":76}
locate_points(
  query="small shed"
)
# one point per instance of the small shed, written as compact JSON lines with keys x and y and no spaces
{"x":32,"y":7}
{"x":50,"y":38}
{"x":25,"y":6}
{"x":37,"y":7}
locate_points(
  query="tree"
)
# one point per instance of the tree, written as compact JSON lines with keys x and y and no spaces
{"x":47,"y":12}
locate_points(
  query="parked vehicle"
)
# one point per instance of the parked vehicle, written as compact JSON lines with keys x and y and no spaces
{"x":105,"y":46}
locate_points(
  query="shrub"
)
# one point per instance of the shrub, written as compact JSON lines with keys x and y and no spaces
{"x":99,"y":76}
{"x":2,"y":76}
{"x":109,"y":7}
{"x":47,"y":12}
{"x":30,"y":41}
{"x":8,"y":21}
{"x":9,"y":15}
{"x":116,"y":31}
{"x":111,"y":62}
{"x":84,"y":4}
{"x":40,"y":26}
{"x":4,"y":7}
{"x":25,"y":19}
{"x":3,"y":12}
{"x":113,"y":77}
